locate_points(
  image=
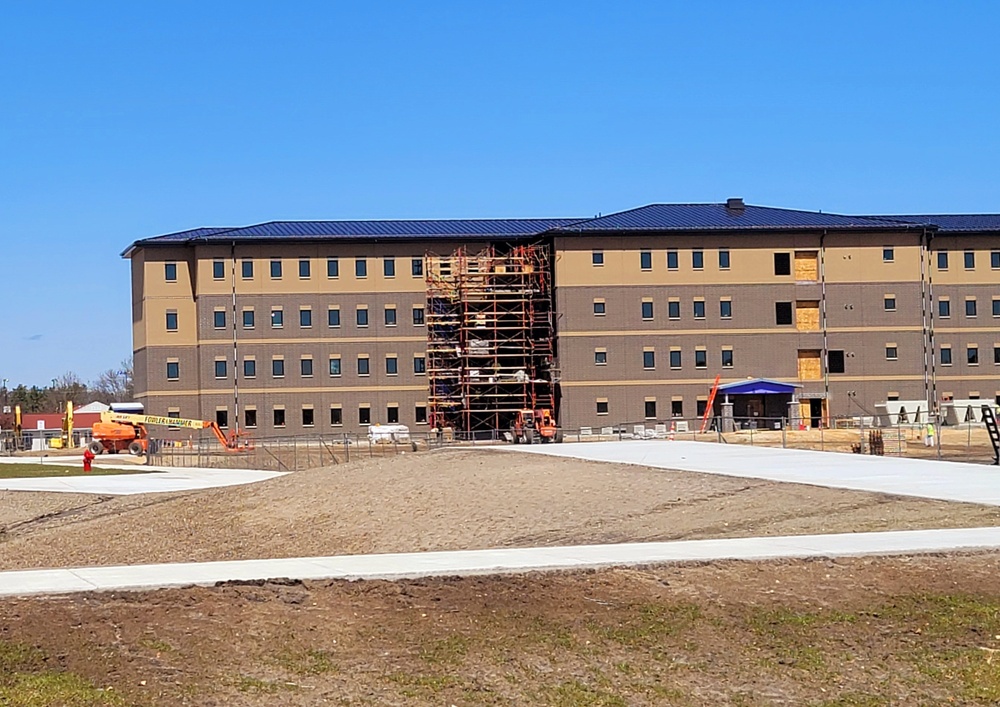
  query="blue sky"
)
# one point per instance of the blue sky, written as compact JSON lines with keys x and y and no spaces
{"x":125,"y":120}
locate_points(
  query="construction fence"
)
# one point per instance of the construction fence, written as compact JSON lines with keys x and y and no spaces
{"x":964,"y":442}
{"x":278,"y":453}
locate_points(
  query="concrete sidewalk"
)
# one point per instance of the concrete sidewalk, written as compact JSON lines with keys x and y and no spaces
{"x":946,"y":481}
{"x":504,"y":561}
{"x":162,"y":479}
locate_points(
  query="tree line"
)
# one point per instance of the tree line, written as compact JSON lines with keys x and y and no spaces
{"x":112,"y":386}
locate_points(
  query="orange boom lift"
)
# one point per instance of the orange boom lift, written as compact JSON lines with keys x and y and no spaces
{"x":119,"y":431}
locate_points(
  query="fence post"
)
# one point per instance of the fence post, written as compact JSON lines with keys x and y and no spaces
{"x":784,"y":441}
{"x":822,"y":436}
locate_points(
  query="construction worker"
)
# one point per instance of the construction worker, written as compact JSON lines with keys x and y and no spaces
{"x":929,"y":435}
{"x":88,"y":458}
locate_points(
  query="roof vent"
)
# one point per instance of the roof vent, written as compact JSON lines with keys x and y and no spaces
{"x":735,"y":204}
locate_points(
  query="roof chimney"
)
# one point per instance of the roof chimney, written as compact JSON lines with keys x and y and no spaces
{"x":735,"y":204}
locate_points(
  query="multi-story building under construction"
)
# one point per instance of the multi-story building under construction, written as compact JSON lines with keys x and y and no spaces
{"x":290,"y":328}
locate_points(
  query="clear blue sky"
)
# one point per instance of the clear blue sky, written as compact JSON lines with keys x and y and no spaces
{"x":125,"y":120}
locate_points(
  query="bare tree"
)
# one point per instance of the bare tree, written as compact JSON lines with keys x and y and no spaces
{"x":115,"y":384}
{"x":67,"y":387}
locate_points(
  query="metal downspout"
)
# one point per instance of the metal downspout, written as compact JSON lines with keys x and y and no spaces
{"x":236,"y":370}
{"x":826,"y":349}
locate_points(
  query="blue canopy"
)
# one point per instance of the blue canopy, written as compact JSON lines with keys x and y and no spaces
{"x":758,"y":386}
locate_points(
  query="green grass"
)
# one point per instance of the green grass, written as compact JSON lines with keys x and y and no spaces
{"x":25,"y":681}
{"x":32,"y":471}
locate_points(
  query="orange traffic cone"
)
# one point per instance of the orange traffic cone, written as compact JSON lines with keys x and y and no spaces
{"x":673,"y":430}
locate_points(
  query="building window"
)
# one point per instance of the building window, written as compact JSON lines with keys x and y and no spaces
{"x":360,"y":267}
{"x":996,"y":307}
{"x":727,"y":358}
{"x":646,"y":260}
{"x":336,"y":416}
{"x":250,"y":418}
{"x":677,"y":408}
{"x":700,"y":358}
{"x":278,"y":367}
{"x":389,"y":267}
{"x":648,"y":360}
{"x":306,"y":367}
{"x":970,"y":307}
{"x":647,"y":310}
{"x":275,"y":269}
{"x":944,"y":308}
{"x":308,"y":417}
{"x":420,"y":414}
{"x":363,"y":366}
{"x":248,"y":319}
{"x":782,"y":263}
{"x":219,"y":318}
{"x":279,"y":417}
{"x":391,"y":366}
{"x":332,"y":268}
{"x":171,"y":321}
{"x":726,"y":309}
{"x":675,"y":358}
{"x":602,"y":407}
{"x":673,"y":263}
{"x":173,"y":370}
{"x":673,"y":309}
{"x":970,"y":260}
{"x":419,"y":365}
{"x":174,"y":413}
{"x":889,"y":303}
{"x":418,"y":316}
{"x":782,"y":313}
{"x":170,"y":272}
{"x":390,"y":316}
{"x":942,"y":260}
{"x":249,"y":368}
{"x":392,"y":414}
{"x":361,"y":317}
{"x":220,"y":369}
{"x":218,"y":269}
{"x":246,"y":269}
{"x":305,"y":318}
{"x":944,"y":355}
{"x":305,"y":269}
{"x":995,"y":259}
{"x":723,"y":260}
{"x":335,"y":365}
{"x":699,"y":309}
{"x":835,"y":361}
{"x":891,"y":352}
{"x":222,"y":418}
{"x":996,"y":355}
{"x":599,"y":308}
{"x":597,"y":257}
{"x":333,"y":317}
{"x":417,"y":267}
{"x":277,"y":318}
{"x":698,"y":259}
{"x":601,"y":358}
{"x":888,"y":255}
{"x":649,"y":409}
{"x":364,"y":415}
{"x":972,"y":355}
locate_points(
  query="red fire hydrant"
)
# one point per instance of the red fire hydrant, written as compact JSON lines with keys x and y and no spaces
{"x":88,"y":457}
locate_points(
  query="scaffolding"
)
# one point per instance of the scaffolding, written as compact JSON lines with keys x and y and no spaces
{"x":490,"y":336}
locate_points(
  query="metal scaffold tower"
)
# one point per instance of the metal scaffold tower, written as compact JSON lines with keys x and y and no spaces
{"x":490,"y":331}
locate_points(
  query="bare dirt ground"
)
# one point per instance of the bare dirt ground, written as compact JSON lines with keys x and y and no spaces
{"x":443,"y":500}
{"x":867,"y":632}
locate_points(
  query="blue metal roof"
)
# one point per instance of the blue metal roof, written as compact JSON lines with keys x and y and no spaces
{"x":718,"y":217}
{"x":758,"y":386}
{"x":450,"y":229}
{"x":953,"y":223}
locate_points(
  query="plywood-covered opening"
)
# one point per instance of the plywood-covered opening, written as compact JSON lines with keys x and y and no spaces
{"x":807,"y":315}
{"x":806,"y":265}
{"x":809,"y":365}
